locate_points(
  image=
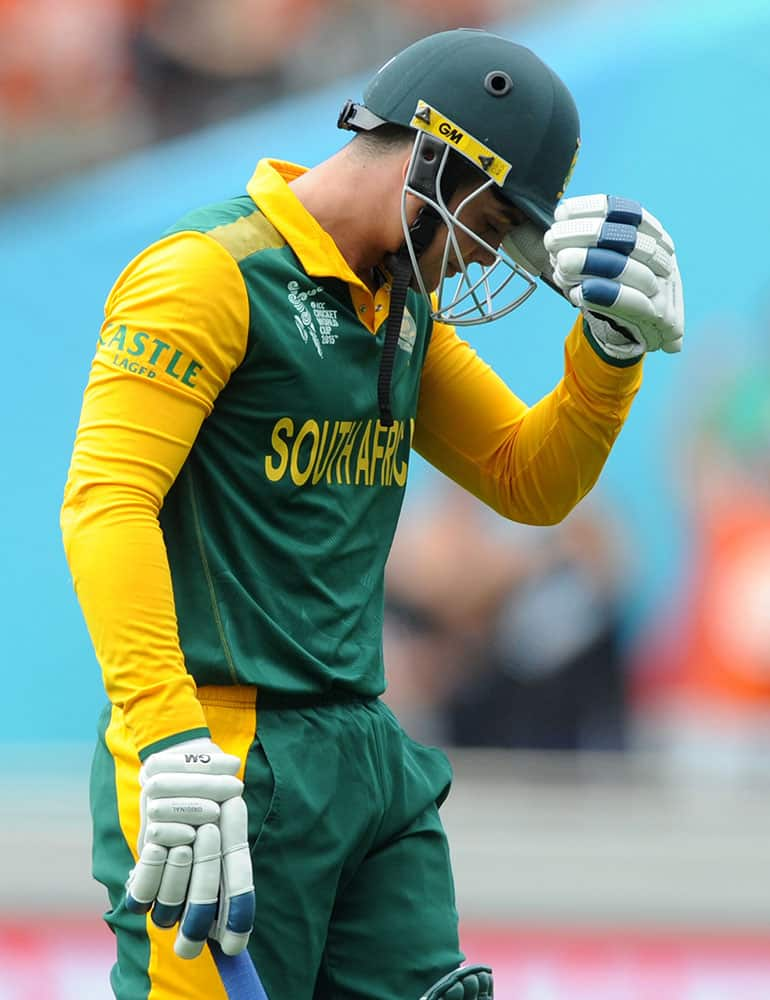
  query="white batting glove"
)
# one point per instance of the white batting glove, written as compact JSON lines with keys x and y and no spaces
{"x":615,"y":262}
{"x":194,"y":864}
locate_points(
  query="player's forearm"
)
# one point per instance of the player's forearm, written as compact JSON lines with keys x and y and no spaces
{"x":531,"y":464}
{"x":118,"y":561}
{"x":561,"y":444}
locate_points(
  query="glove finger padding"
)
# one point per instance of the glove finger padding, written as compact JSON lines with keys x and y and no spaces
{"x":609,"y":298}
{"x":574,"y":265}
{"x":169,"y":834}
{"x":173,"y":886}
{"x":170,"y":784}
{"x":609,"y":236}
{"x":237,"y":904}
{"x":613,"y":260}
{"x":621,"y":210}
{"x":145,"y":878}
{"x":201,"y":907}
{"x":191,"y":812}
{"x":651,"y":321}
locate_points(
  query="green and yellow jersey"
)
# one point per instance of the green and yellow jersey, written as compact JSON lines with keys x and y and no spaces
{"x":233,"y":496}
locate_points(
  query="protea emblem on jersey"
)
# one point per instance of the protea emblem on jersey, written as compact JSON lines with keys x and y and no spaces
{"x":314,"y":319}
{"x":408,"y":333}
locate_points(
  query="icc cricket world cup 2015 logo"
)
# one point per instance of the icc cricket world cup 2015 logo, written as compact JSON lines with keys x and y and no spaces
{"x":314,"y":319}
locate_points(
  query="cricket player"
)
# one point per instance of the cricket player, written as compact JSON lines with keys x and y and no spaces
{"x":262,"y":375}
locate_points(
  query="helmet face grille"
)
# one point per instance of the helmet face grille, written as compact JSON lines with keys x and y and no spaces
{"x":481,"y":292}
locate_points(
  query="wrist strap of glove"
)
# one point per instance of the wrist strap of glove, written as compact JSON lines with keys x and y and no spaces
{"x":614,"y":345}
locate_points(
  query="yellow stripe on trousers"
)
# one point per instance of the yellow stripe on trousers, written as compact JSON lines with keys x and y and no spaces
{"x":232,"y":718}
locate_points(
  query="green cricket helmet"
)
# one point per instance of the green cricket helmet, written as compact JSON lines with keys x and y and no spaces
{"x":479,"y":96}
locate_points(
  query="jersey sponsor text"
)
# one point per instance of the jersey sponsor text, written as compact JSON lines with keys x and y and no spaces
{"x":140,"y":353}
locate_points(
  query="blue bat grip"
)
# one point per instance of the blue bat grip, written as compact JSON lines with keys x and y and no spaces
{"x":239,"y":977}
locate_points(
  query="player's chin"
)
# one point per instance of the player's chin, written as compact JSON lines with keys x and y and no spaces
{"x":430,"y":280}
{"x":433,"y":278}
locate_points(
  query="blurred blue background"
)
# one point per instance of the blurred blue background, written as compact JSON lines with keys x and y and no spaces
{"x":672,"y":98}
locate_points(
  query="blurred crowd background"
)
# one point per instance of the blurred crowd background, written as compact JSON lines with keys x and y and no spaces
{"x":603,"y":685}
{"x":85,"y":80}
{"x":511,"y":636}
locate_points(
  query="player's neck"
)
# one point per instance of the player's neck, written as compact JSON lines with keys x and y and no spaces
{"x":356,"y":202}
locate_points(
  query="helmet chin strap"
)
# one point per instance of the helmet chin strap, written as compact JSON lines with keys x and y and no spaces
{"x":423,"y":174}
{"x":422,"y":231}
{"x":400,"y":266}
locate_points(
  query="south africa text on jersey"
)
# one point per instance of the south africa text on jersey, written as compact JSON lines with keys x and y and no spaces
{"x":345,"y":452}
{"x":140,"y":353}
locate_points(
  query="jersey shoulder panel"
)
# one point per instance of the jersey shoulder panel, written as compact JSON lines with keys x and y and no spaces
{"x":237,"y":225}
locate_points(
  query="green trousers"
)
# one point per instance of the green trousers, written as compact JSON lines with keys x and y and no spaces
{"x":355,"y":899}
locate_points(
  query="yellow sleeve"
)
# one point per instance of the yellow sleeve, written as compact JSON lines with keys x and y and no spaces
{"x":532,"y":464}
{"x":175,"y":327}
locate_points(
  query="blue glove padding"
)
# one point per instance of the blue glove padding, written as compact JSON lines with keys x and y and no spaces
{"x":615,"y":262}
{"x":237,"y":904}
